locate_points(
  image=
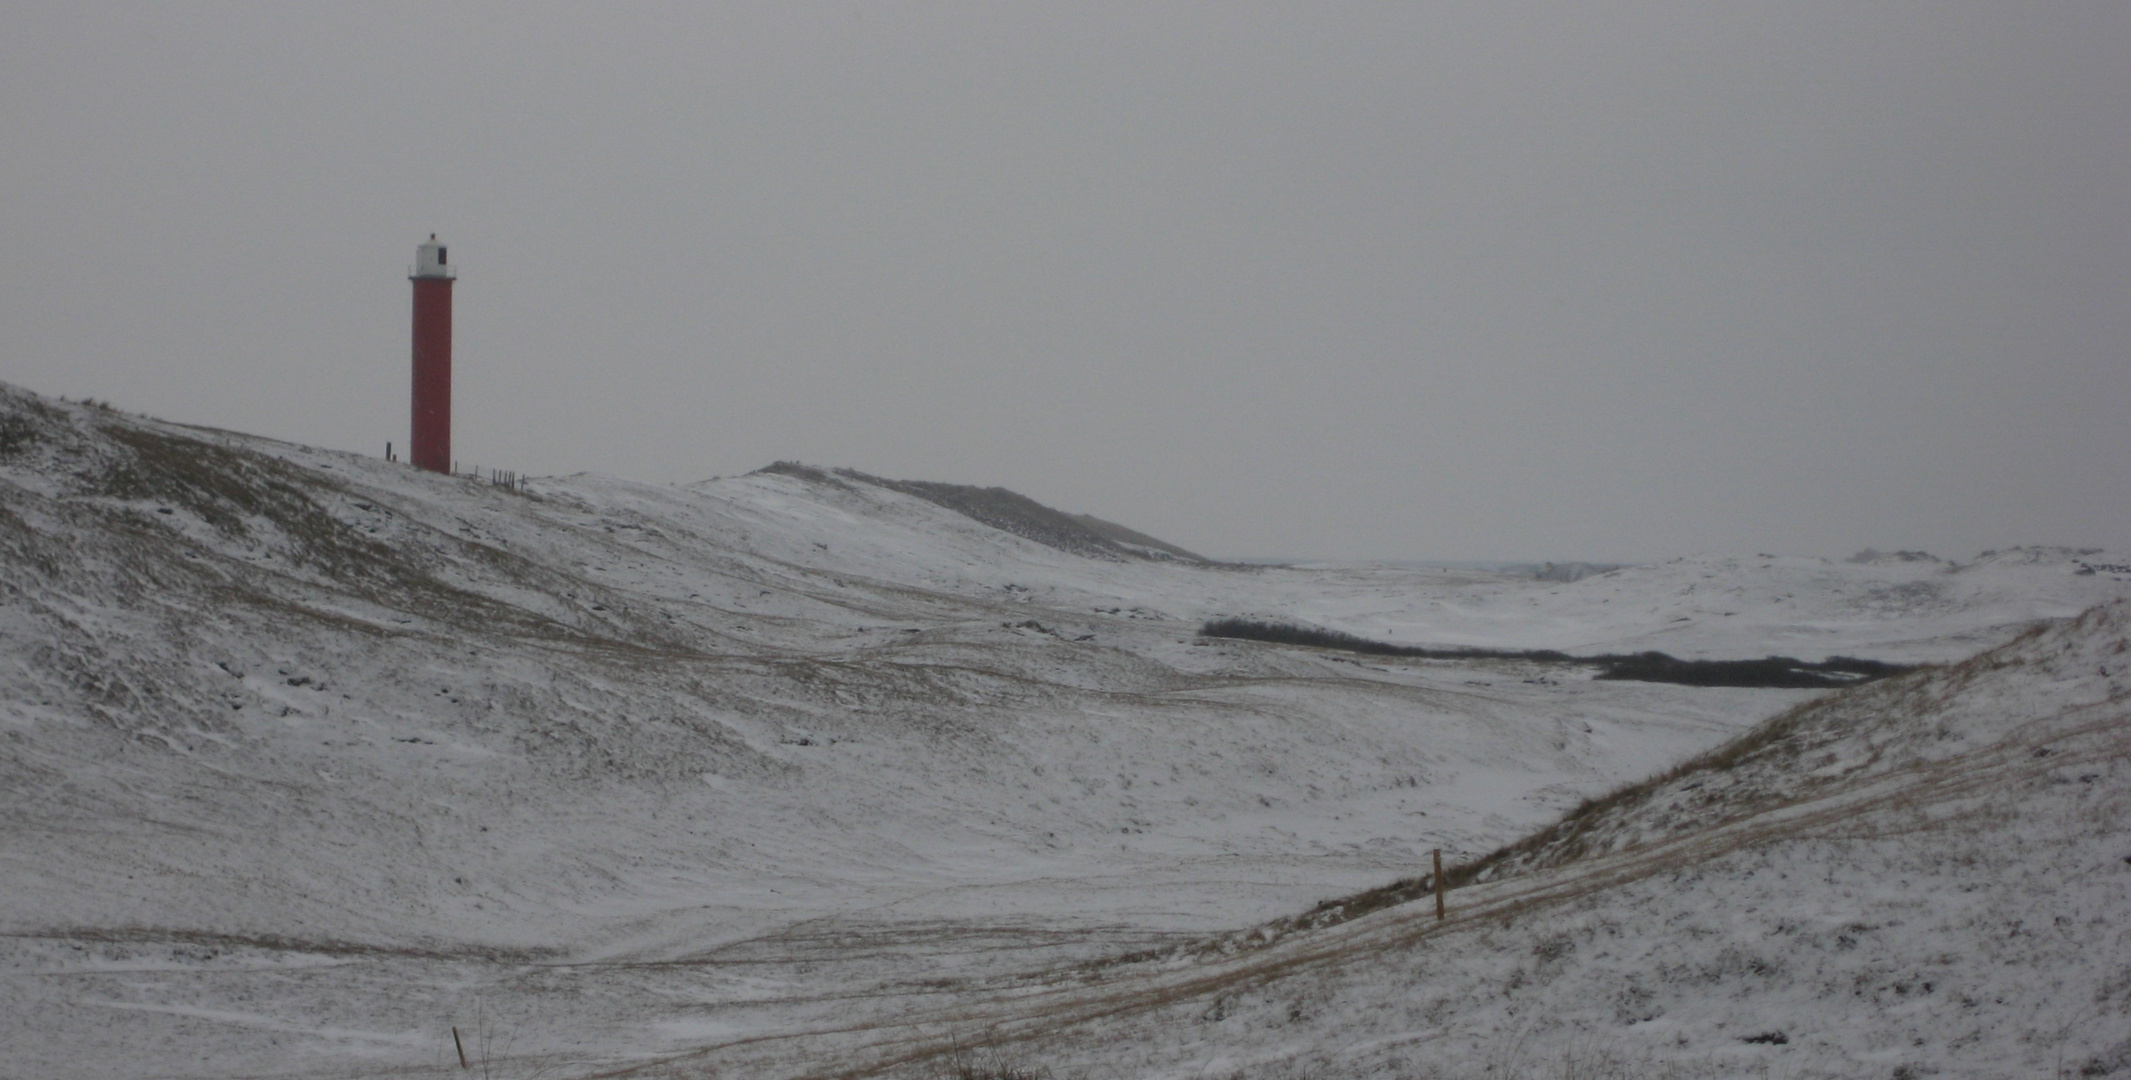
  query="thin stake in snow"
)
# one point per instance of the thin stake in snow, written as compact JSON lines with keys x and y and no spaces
{"x":1439,"y":884}
{"x":460,"y":1046}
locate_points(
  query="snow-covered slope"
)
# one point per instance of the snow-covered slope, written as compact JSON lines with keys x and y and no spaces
{"x":308,"y":757}
{"x":1923,"y":877}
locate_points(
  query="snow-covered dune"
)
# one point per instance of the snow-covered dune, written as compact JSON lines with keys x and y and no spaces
{"x":1727,"y":606}
{"x":308,"y":757}
{"x":1922,"y":877}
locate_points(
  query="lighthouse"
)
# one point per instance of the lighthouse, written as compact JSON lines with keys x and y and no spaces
{"x":430,"y":442}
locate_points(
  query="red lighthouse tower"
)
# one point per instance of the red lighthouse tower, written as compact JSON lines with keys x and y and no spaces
{"x":430,"y":445}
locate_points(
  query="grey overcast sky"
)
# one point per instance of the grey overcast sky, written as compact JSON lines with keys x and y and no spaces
{"x":1403,"y":280}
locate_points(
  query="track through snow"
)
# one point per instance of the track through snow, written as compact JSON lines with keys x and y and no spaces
{"x":307,"y":758}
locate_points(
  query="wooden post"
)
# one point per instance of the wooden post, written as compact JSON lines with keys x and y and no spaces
{"x":462,"y":1047}
{"x":1439,"y":884}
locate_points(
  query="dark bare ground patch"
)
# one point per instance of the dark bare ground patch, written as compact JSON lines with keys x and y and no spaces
{"x":1781,"y":672}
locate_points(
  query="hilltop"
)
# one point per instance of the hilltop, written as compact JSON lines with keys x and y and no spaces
{"x":1011,"y":512}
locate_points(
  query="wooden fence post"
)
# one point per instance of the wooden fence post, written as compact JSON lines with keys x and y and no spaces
{"x":1439,"y":884}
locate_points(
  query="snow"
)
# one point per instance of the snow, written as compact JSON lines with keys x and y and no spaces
{"x":310,"y":757}
{"x":1951,"y":906}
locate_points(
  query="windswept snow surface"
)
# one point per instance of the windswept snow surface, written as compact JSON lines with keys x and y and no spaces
{"x":308,"y":757}
{"x":1927,"y":876}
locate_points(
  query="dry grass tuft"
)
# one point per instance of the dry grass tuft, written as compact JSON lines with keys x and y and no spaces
{"x":962,"y":1064}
